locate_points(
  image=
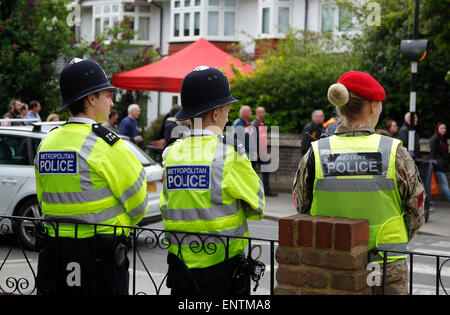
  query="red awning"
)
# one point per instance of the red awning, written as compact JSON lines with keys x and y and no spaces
{"x":167,"y":74}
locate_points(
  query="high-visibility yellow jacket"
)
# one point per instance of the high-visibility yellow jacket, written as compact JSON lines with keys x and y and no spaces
{"x":82,"y":177}
{"x":208,"y":188}
{"x":355,"y":178}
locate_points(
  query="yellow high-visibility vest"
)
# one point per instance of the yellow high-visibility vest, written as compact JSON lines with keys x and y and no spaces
{"x":355,"y":178}
{"x":206,"y":183}
{"x":84,"y":178}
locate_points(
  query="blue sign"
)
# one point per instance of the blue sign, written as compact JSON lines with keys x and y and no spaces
{"x":188,"y":177}
{"x":58,"y":162}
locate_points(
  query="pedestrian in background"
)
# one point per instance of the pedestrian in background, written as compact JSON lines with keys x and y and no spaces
{"x":261,"y":149}
{"x":312,"y":130}
{"x":330,"y":126}
{"x":403,"y":134}
{"x":129,"y":125}
{"x":209,"y":187}
{"x":23,"y":110}
{"x":244,"y":134}
{"x":13,"y":113}
{"x":392,"y":128}
{"x":33,"y":112}
{"x":439,"y":152}
{"x":111,"y":123}
{"x":334,"y":178}
{"x":86,"y":175}
{"x":170,"y":123}
{"x":53,"y":117}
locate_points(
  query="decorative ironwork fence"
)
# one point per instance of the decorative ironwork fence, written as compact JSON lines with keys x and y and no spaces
{"x":148,"y":256}
{"x":147,"y":253}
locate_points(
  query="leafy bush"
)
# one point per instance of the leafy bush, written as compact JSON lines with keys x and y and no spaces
{"x":32,"y":35}
{"x":292,"y":81}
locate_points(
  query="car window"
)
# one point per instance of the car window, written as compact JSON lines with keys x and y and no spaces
{"x":139,"y":154}
{"x":14,"y":150}
{"x":35,"y":142}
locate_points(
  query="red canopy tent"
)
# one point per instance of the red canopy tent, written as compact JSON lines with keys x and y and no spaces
{"x":167,"y":74}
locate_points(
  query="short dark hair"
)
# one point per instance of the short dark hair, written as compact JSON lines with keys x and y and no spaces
{"x":112,"y":112}
{"x":79,"y":106}
{"x":33,"y":104}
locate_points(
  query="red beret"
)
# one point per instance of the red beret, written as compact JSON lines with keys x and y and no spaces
{"x":363,"y":84}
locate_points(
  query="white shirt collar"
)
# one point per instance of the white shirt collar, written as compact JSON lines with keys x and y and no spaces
{"x":81,"y":120}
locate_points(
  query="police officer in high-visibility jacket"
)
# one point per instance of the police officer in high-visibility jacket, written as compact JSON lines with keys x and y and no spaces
{"x":357,"y":173}
{"x":90,"y":187}
{"x":209,"y":187}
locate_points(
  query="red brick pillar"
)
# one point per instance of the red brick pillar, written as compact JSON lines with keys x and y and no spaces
{"x":322,"y":255}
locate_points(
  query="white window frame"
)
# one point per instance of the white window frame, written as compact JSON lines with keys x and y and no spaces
{"x":337,"y":9}
{"x":274,"y":6}
{"x":203,"y":9}
{"x":120,"y":14}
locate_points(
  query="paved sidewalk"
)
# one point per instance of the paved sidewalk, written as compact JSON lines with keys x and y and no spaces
{"x":437,"y":225}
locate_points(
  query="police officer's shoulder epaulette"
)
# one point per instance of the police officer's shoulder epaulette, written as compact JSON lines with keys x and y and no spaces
{"x":239,"y":147}
{"x":109,"y":136}
{"x":171,"y":141}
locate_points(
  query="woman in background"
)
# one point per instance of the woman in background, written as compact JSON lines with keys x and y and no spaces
{"x":439,"y":152}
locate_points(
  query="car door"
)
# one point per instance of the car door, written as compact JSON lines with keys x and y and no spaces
{"x":16,"y":170}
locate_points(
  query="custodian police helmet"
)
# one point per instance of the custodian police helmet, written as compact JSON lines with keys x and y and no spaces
{"x":202,"y":90}
{"x":81,"y":78}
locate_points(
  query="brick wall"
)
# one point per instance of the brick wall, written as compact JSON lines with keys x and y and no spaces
{"x":322,"y":255}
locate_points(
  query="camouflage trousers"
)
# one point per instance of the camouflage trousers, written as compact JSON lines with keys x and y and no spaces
{"x":396,"y":279}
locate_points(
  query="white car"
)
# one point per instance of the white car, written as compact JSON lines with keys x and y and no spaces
{"x":18,"y":146}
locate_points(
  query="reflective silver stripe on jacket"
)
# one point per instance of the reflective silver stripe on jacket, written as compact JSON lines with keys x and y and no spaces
{"x":217,"y":167}
{"x":377,"y":183}
{"x":84,"y":169}
{"x":91,"y":218}
{"x":135,"y":188}
{"x":214,"y":212}
{"x":139,"y":209}
{"x":357,"y":184}
{"x":179,"y":238}
{"x":76,"y":197}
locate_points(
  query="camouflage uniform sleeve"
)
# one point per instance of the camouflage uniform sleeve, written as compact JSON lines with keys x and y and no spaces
{"x":302,"y":188}
{"x":411,"y":191}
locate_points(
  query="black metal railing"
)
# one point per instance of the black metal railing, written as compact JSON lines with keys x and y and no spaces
{"x":148,"y":256}
{"x":441,"y":262}
{"x":147,"y":253}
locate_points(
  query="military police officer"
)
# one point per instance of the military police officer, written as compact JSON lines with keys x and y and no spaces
{"x":90,"y":187}
{"x":209,"y":187}
{"x":357,"y":173}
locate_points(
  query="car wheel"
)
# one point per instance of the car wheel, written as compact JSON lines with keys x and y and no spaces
{"x":25,"y":229}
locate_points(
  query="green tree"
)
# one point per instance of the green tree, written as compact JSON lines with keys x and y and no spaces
{"x":292,"y":80}
{"x":114,"y":51}
{"x":32,"y":35}
{"x":378,"y":48}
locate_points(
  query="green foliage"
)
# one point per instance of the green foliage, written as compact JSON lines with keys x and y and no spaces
{"x":292,"y":81}
{"x":378,"y":48}
{"x":114,"y":51}
{"x":152,"y":132}
{"x":32,"y":35}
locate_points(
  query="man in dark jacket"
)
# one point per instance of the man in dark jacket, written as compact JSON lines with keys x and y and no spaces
{"x":313,"y":130}
{"x":403,"y":134}
{"x":244,"y":133}
{"x":261,"y":145}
